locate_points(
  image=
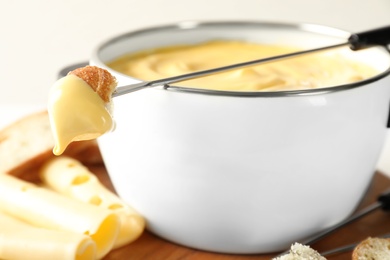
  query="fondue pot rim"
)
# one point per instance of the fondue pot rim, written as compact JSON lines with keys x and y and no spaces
{"x":188,"y":25}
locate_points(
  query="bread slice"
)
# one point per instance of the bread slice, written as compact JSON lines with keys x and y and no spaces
{"x":301,"y":252}
{"x":372,"y":249}
{"x":27,"y":143}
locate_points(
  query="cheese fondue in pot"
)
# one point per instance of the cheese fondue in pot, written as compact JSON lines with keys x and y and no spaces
{"x":322,"y":69}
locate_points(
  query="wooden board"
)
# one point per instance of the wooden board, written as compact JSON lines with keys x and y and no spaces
{"x":149,"y":246}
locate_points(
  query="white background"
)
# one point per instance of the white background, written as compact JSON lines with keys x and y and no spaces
{"x":40,"y":37}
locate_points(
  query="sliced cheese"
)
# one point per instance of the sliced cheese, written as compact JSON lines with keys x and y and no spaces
{"x":20,"y":241}
{"x":45,"y":208}
{"x":69,"y":177}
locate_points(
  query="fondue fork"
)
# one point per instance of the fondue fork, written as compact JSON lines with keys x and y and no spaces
{"x":382,"y":202}
{"x":346,"y":248}
{"x":357,"y":41}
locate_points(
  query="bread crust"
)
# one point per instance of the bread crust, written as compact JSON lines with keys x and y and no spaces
{"x":372,"y":248}
{"x":28,"y":142}
{"x":100,"y":80}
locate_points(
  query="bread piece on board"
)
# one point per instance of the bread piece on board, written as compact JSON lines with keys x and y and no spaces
{"x":301,"y":252}
{"x":28,"y":142}
{"x":372,"y":249}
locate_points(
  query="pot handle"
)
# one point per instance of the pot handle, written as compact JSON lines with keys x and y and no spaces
{"x":63,"y":72}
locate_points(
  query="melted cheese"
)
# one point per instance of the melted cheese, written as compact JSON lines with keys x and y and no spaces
{"x":69,"y":177}
{"x":322,"y":69}
{"x":19,"y":241}
{"x":44,"y":208}
{"x":76,"y":113}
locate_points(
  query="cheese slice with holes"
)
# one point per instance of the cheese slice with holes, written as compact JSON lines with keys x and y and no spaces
{"x":69,"y":177}
{"x":19,"y":240}
{"x":45,"y":208}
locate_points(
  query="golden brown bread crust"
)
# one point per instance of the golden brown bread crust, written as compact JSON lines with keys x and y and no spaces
{"x":372,"y":248}
{"x":100,"y":80}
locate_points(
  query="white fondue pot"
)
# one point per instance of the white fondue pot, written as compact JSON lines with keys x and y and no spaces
{"x":251,"y":173}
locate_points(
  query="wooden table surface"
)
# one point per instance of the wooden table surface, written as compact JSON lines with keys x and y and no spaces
{"x":149,"y":246}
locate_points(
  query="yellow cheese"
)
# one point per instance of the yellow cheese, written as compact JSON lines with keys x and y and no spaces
{"x":322,"y":69}
{"x":20,"y":241}
{"x":69,"y":177}
{"x":47,"y":209}
{"x":76,"y":112}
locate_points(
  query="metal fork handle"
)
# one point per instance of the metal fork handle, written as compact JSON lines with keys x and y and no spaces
{"x":354,"y":217}
{"x":346,"y":248}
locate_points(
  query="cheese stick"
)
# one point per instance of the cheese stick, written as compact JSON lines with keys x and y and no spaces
{"x":20,"y":241}
{"x":45,"y":208}
{"x":69,"y":177}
